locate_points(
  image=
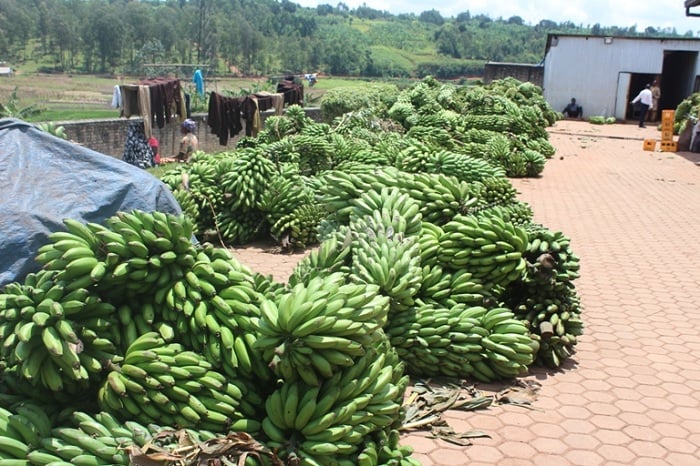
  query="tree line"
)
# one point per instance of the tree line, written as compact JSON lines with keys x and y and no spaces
{"x":263,"y":37}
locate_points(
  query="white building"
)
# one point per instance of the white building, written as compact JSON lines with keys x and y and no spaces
{"x":605,"y":73}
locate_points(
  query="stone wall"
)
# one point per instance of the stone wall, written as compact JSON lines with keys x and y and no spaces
{"x":522,"y":72}
{"x":109,"y":136}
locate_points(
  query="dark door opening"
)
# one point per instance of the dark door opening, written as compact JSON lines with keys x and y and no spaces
{"x":677,"y":78}
{"x":637,"y":82}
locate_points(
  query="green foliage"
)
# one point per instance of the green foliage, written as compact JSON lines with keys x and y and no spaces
{"x":337,"y":102}
{"x":13,"y":109}
{"x":269,"y":37}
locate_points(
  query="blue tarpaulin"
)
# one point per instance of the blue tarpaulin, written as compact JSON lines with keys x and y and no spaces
{"x":45,"y":179}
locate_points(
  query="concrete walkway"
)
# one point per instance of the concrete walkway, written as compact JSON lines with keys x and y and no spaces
{"x":631,"y":394}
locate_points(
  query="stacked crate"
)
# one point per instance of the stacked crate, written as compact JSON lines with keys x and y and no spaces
{"x":667,"y":142}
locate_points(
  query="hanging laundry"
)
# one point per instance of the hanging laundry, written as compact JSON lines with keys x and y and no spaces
{"x":116,"y":97}
{"x":224,"y":116}
{"x":198,"y":80}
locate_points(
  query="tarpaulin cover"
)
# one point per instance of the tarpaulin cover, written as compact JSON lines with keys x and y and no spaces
{"x":45,"y":179}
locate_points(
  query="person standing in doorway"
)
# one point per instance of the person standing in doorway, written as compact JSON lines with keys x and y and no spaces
{"x":646,"y":102}
{"x":655,"y":96}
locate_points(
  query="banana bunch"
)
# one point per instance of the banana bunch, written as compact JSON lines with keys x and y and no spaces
{"x":496,"y":190}
{"x":134,"y":252}
{"x":54,"y":129}
{"x":555,"y":320}
{"x":415,"y":157}
{"x":516,"y":212}
{"x":435,"y":136}
{"x":463,"y":166}
{"x":22,"y":429}
{"x":211,"y":310}
{"x":283,"y":195}
{"x":238,"y":226}
{"x":320,"y":326}
{"x":13,"y":448}
{"x":267,"y":286}
{"x":388,"y":260}
{"x":434,"y":340}
{"x":56,"y":338}
{"x":134,"y":318}
{"x":508,"y":349}
{"x":497,"y":123}
{"x":429,"y":243}
{"x":449,"y":289}
{"x":315,"y":153}
{"x":535,"y":162}
{"x":488,"y":247}
{"x":389,"y":208}
{"x":331,"y":256}
{"x":326,"y":423}
{"x":440,"y":196}
{"x":383,"y":449}
{"x":196,"y":187}
{"x":98,"y":439}
{"x":102,"y":439}
{"x":546,"y":297}
{"x":275,"y":129}
{"x":551,"y":262}
{"x":246,"y":179}
{"x":298,"y":228}
{"x":336,"y":189}
{"x":160,"y":382}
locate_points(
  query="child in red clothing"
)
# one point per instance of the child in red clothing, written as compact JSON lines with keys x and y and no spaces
{"x":155,"y":148}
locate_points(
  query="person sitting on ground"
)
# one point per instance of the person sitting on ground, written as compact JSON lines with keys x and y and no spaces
{"x":573,"y":110}
{"x":189,"y":142}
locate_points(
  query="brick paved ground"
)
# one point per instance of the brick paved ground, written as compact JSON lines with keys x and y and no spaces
{"x":631,"y":394}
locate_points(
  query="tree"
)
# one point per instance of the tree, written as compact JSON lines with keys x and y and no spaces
{"x":433,"y":17}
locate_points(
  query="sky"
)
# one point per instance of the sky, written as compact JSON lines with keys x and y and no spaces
{"x":623,"y":13}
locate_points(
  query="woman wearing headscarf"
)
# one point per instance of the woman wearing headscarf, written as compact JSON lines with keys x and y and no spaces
{"x":189,"y":142}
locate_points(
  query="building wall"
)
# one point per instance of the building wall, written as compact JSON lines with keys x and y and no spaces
{"x":588,"y":68}
{"x":526,"y":73}
{"x":109,"y":136}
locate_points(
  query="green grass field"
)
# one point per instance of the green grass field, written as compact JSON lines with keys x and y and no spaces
{"x":66,"y":97}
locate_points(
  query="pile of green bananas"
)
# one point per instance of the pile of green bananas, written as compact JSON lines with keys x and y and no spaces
{"x":330,"y":422}
{"x":161,"y":382}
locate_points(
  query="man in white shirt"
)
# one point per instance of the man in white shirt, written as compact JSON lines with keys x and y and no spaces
{"x":645,"y":99}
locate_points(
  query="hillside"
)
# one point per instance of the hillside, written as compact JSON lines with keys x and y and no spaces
{"x":265,"y":37}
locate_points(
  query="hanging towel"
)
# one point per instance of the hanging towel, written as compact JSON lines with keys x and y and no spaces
{"x":116,"y":97}
{"x":198,"y":80}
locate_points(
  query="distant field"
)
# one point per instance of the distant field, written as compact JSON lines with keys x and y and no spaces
{"x":75,"y":97}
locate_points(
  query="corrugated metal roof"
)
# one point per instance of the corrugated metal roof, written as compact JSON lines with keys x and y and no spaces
{"x":691,"y":4}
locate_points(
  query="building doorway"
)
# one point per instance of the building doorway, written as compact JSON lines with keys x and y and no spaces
{"x":637,"y":82}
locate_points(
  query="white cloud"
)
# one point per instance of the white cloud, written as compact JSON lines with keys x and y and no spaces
{"x":622,"y":13}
